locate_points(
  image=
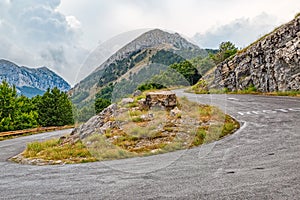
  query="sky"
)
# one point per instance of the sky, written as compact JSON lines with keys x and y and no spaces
{"x":62,"y":34}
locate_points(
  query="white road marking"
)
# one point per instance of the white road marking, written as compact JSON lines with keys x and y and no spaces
{"x":234,"y":99}
{"x":274,"y":111}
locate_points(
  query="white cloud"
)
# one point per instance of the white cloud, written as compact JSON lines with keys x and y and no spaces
{"x":73,"y":22}
{"x":241,"y":32}
{"x":34,"y":33}
{"x":102,"y":19}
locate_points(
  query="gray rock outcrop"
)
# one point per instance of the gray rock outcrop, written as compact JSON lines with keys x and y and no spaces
{"x":270,"y":64}
{"x":97,"y":124}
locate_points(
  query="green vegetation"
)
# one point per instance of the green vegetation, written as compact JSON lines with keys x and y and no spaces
{"x":167,"y":58}
{"x":101,"y":104}
{"x":54,"y":108}
{"x":54,"y":150}
{"x":286,"y":93}
{"x":15,"y":112}
{"x":103,"y":98}
{"x":150,"y":86}
{"x":226,"y":50}
{"x":201,"y":87}
{"x":187,"y":70}
{"x":80,"y":97}
{"x":203,"y":65}
{"x":177,"y":74}
{"x":20,"y":112}
{"x":115,"y":70}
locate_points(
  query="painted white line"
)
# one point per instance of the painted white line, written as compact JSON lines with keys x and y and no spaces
{"x":234,"y":99}
{"x":274,"y":111}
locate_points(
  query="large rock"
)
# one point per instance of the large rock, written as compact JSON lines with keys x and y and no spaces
{"x":270,"y":64}
{"x":162,"y":99}
{"x":97,"y":124}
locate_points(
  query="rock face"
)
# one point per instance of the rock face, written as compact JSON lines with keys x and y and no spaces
{"x":163,"y":99}
{"x":97,"y":124}
{"x":270,"y":64}
{"x":31,"y":81}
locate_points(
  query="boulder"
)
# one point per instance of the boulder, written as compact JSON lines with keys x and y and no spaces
{"x":137,"y":93}
{"x":161,"y":99}
{"x":126,"y":101}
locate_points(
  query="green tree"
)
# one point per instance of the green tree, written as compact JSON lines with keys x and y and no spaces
{"x":16,"y":112}
{"x":187,"y":70}
{"x":226,"y":49}
{"x":54,"y":108}
{"x":101,"y":104}
{"x":26,"y":115}
{"x":8,"y":97}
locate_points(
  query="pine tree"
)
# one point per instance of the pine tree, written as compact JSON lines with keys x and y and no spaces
{"x":54,"y":108}
{"x":8,"y":97}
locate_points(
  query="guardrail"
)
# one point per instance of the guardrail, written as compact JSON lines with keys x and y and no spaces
{"x":34,"y":130}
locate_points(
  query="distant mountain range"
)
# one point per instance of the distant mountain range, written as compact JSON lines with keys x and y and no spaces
{"x":31,"y":81}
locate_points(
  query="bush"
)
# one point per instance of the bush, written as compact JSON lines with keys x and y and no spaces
{"x":150,"y":86}
{"x":101,"y":104}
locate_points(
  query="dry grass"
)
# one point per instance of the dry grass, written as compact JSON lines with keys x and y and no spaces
{"x":54,"y":150}
{"x":100,"y":148}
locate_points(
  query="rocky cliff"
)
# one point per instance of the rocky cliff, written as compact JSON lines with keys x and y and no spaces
{"x":269,"y":64}
{"x":31,"y":81}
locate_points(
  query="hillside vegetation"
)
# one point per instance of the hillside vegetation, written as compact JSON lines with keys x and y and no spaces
{"x":155,"y":57}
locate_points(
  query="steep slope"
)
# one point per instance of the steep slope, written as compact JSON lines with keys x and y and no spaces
{"x":155,"y":46}
{"x":269,"y":64}
{"x":30,"y":81}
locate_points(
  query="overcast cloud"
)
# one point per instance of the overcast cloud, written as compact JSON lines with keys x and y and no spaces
{"x":241,"y":32}
{"x":34,"y":33}
{"x":60,"y":34}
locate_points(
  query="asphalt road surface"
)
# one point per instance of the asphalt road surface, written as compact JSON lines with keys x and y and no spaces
{"x":260,"y":161}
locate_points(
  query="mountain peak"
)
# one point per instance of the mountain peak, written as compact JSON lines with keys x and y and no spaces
{"x":158,"y":37}
{"x":31,"y":81}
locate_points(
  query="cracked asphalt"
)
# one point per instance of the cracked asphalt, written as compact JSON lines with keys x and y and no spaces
{"x":259,"y":161}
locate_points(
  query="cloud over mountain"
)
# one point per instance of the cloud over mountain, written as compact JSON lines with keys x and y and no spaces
{"x":34,"y":33}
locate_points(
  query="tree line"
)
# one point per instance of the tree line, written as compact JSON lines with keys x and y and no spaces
{"x":17,"y":112}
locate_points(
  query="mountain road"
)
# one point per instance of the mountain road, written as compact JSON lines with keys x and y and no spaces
{"x":260,"y":161}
